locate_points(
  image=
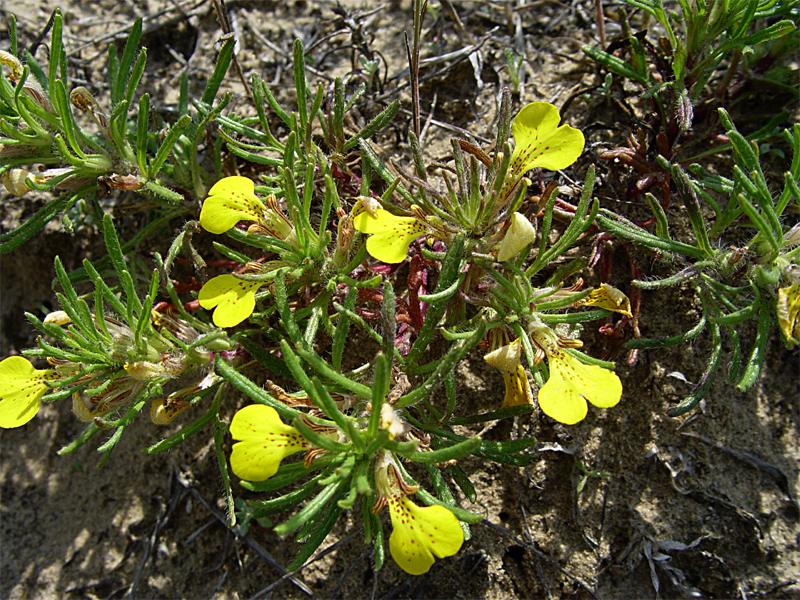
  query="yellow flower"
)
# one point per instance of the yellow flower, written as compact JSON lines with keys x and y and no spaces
{"x":233,"y":199}
{"x":265,"y":442}
{"x":520,"y":234}
{"x":229,"y":201}
{"x":572,"y":383}
{"x":234,"y":299}
{"x":390,"y":235}
{"x":21,"y":390}
{"x":507,"y":359}
{"x":788,"y":310}
{"x":540,"y":142}
{"x":608,"y":297}
{"x":418,"y":533}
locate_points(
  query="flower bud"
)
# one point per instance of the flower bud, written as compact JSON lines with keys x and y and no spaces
{"x":31,"y":87}
{"x":70,"y":182}
{"x":15,"y":181}
{"x":390,"y":422}
{"x":38,"y":95}
{"x":609,"y":298}
{"x":369,"y":204}
{"x":11,"y":61}
{"x":344,"y":239}
{"x":164,"y":410}
{"x":144,"y":371}
{"x":129,"y":183}
{"x":507,"y":357}
{"x":58,"y":317}
{"x":83,"y":100}
{"x":520,"y":234}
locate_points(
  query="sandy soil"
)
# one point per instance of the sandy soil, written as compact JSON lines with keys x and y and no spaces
{"x":701,"y":505}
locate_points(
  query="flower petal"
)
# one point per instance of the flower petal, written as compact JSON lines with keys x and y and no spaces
{"x":234,"y":299}
{"x":608,"y":297}
{"x":539,"y":142}
{"x":788,"y":309}
{"x":21,"y":389}
{"x":505,"y":358}
{"x":419,"y":533}
{"x":266,"y":441}
{"x":571,"y":383}
{"x":390,"y":235}
{"x":229,"y":201}
{"x":559,"y":399}
{"x":518,"y":389}
{"x":520,"y":234}
{"x":15,"y":412}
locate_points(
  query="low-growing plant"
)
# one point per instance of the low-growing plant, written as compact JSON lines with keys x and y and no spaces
{"x":758,"y":281}
{"x":351,"y":290}
{"x":45,"y":147}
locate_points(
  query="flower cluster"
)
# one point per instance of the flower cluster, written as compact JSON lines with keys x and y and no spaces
{"x":540,"y":143}
{"x":418,"y":533}
{"x":473,"y":243}
{"x":106,"y":376}
{"x":366,"y":285}
{"x":230,"y":201}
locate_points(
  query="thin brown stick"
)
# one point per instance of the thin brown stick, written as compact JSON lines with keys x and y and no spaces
{"x":601,"y":30}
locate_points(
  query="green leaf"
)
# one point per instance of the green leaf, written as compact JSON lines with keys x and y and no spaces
{"x":463,"y":482}
{"x":614,"y":64}
{"x":328,"y":495}
{"x":189,"y":430}
{"x":757,"y":354}
{"x":442,"y":455}
{"x":383,"y":372}
{"x":13,"y":239}
{"x":286,"y":501}
{"x":300,"y":84}
{"x":164,"y":150}
{"x":626,"y":230}
{"x":141,"y":133}
{"x":220,"y":69}
{"x":118,"y":83}
{"x":707,"y":378}
{"x":376,"y":124}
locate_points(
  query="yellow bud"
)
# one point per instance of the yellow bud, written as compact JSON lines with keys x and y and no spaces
{"x":59,"y":317}
{"x":505,"y":358}
{"x":14,"y":180}
{"x":8,"y":59}
{"x":520,"y":234}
